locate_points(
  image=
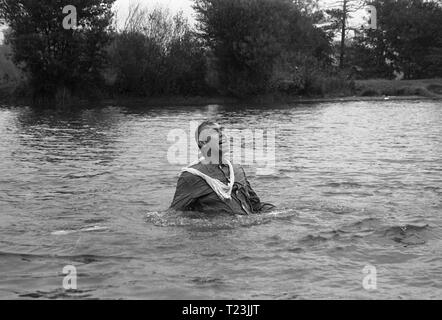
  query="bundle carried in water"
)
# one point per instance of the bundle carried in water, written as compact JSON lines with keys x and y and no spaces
{"x":222,"y":190}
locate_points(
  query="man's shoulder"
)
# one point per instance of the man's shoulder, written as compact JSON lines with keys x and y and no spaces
{"x":197,"y":166}
{"x":187,"y":175}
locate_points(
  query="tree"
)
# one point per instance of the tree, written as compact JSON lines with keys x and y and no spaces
{"x":157,"y":53}
{"x":339,"y":14}
{"x":56,"y":59}
{"x":408,"y":38}
{"x":307,"y":6}
{"x":258,"y":42}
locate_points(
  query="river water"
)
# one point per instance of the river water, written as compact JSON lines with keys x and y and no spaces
{"x":358,"y":188}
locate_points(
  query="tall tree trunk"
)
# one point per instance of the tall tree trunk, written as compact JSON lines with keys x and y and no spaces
{"x":344,"y":29}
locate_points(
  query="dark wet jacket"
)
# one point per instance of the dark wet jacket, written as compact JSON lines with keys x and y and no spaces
{"x":194,"y":194}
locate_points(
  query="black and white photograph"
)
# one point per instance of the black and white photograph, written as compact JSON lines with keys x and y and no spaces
{"x":229,"y":151}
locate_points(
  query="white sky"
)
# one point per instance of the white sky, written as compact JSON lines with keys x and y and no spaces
{"x":121,"y":6}
{"x":175,"y":5}
{"x":186,"y":6}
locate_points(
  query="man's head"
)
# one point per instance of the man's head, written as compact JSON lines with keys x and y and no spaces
{"x":210,"y":138}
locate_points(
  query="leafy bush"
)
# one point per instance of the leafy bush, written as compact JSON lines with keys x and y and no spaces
{"x":53,"y":58}
{"x":158,"y":54}
{"x":257,"y":44}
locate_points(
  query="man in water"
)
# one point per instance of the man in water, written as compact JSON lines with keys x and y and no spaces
{"x":213,"y":184}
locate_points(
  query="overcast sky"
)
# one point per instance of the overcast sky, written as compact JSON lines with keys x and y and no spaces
{"x":121,"y":6}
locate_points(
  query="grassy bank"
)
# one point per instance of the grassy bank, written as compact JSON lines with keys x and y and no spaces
{"x":363,"y":90}
{"x":431,"y":88}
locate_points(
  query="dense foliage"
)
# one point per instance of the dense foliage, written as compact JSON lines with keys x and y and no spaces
{"x":56,"y":60}
{"x":239,"y":47}
{"x":408,"y":40}
{"x":257,"y":44}
{"x":158,"y":54}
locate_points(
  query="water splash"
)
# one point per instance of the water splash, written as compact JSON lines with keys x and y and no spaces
{"x":89,"y":229}
{"x":219,"y":221}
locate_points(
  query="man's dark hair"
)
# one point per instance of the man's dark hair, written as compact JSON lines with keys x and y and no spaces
{"x":201,"y":127}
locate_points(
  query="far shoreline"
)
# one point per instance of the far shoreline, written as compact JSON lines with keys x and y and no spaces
{"x":202,"y":101}
{"x":207,"y":101}
{"x":364,"y":90}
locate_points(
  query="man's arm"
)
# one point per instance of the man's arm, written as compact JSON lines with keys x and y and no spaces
{"x":189,"y":189}
{"x":183,"y":197}
{"x":257,"y":205}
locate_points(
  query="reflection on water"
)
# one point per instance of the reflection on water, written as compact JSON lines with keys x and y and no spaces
{"x":355,"y":184}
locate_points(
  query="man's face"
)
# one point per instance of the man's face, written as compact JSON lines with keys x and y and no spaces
{"x":213,"y":138}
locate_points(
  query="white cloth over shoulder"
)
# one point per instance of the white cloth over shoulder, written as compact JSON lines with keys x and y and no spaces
{"x":222,"y":190}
